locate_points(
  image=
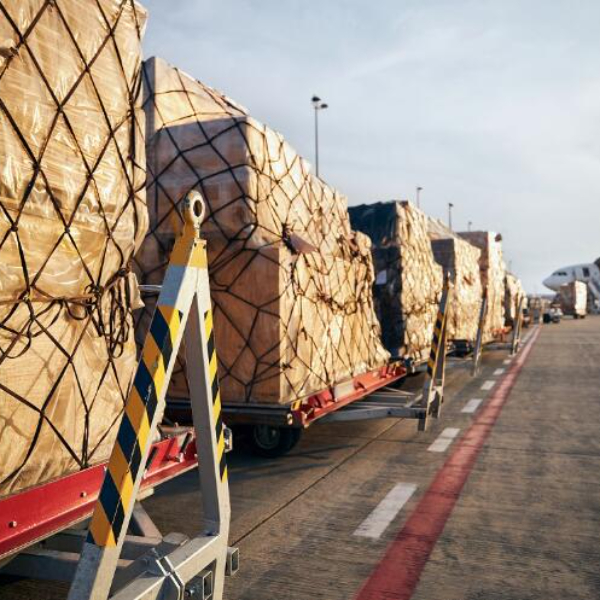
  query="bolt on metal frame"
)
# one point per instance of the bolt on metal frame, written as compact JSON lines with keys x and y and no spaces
{"x":183,"y":310}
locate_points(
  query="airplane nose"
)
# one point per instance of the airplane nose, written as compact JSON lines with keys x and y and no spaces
{"x":548,"y":282}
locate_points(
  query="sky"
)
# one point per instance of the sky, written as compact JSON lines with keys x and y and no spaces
{"x":490,"y":105}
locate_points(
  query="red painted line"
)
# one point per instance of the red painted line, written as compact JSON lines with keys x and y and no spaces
{"x":397,"y":575}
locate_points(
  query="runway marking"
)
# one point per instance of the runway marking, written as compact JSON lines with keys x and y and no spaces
{"x":385,"y":512}
{"x":507,"y":361}
{"x":499,"y":372}
{"x":472,"y":405}
{"x":488,"y":385}
{"x":397,"y":575}
{"x":444,"y":440}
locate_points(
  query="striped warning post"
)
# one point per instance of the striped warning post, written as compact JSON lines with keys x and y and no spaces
{"x":440,"y":323}
{"x":215,"y":392}
{"x":116,"y":494}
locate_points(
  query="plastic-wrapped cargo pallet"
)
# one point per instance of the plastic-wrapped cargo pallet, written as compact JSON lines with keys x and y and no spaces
{"x":460,"y":259}
{"x":513,"y":292}
{"x":408,"y":280}
{"x":573,"y":298}
{"x":72,"y":208}
{"x":492,"y":269}
{"x":290,"y":281}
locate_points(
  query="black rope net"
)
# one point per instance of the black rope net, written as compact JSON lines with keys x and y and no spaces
{"x":460,"y":260}
{"x":408,"y":282}
{"x":72,"y":210}
{"x":493,"y":272}
{"x":290,"y":281}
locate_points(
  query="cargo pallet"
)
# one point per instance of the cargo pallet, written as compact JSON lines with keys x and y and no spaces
{"x":273,"y":430}
{"x":121,"y":554}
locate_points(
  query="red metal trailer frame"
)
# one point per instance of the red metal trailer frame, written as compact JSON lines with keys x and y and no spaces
{"x":37,"y":513}
{"x":302,"y":413}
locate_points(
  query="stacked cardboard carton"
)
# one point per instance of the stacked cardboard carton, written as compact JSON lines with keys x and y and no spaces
{"x":71,"y":212}
{"x":492,"y":269}
{"x":290,"y":281}
{"x":460,"y":260}
{"x":408,"y":280}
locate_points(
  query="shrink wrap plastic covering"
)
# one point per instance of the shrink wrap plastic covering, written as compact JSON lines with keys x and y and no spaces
{"x":408,"y":280}
{"x":573,"y":298}
{"x":460,"y":259}
{"x":72,"y":209}
{"x":290,"y":281}
{"x":492,"y":269}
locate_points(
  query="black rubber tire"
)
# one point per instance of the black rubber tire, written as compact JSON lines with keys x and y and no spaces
{"x":272,"y":441}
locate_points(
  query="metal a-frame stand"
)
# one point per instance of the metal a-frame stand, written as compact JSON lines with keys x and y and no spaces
{"x":391,"y":402}
{"x":517,"y":329}
{"x":515,"y":338}
{"x":479,"y":341}
{"x":433,"y":389}
{"x":173,"y":570}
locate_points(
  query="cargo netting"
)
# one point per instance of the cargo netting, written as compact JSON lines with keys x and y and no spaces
{"x":290,"y":281}
{"x":72,"y":210}
{"x":408,"y":284}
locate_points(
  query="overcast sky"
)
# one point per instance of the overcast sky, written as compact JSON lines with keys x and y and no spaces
{"x":491,"y":105}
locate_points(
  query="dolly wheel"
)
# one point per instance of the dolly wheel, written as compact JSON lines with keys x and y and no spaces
{"x":271,"y":441}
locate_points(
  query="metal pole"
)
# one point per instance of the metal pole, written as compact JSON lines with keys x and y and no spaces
{"x":317,"y":139}
{"x":419,"y":188}
{"x":450,"y":206}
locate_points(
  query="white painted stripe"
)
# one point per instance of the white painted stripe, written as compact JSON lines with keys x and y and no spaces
{"x":499,"y":372}
{"x":384,"y":513}
{"x":507,"y":361}
{"x":488,"y":385}
{"x":444,"y":440}
{"x":472,"y":405}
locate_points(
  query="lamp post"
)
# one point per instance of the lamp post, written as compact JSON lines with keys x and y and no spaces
{"x":469,"y":225}
{"x":317,"y":105}
{"x":419,"y":188}
{"x":450,"y":207}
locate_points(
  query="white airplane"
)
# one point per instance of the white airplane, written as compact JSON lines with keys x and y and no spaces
{"x":588,"y":272}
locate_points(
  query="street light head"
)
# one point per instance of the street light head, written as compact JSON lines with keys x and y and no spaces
{"x":450,"y":205}
{"x":315,"y":100}
{"x":323,"y":105}
{"x":419,"y":188}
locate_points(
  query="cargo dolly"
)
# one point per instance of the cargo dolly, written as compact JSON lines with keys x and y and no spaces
{"x":275,"y":430}
{"x":121,"y":554}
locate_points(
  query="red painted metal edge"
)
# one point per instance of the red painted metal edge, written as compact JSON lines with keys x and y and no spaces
{"x":325,"y":402}
{"x":37,"y":513}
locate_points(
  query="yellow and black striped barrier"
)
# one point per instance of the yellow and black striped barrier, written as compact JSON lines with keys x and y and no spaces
{"x":183,"y":307}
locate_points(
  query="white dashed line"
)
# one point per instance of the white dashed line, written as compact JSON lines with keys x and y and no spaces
{"x":507,"y":361}
{"x":444,"y":440}
{"x":488,"y":385}
{"x":499,"y":372}
{"x":472,"y":405}
{"x":383,"y":514}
